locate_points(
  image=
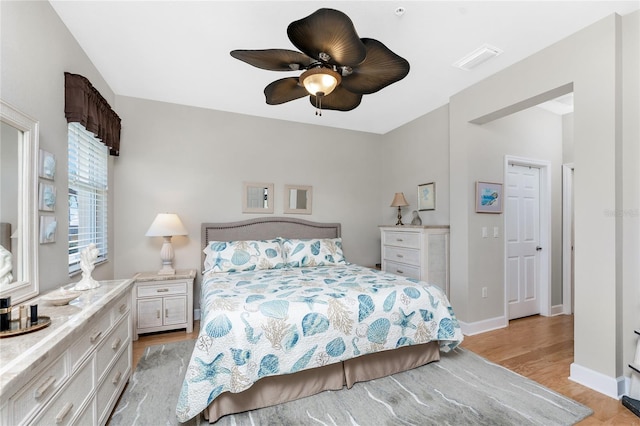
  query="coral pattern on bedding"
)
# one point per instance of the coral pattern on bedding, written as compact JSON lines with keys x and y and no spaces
{"x":312,"y":252}
{"x":270,"y":322}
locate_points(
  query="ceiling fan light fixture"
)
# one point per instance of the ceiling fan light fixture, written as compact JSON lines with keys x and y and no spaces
{"x":320,"y":81}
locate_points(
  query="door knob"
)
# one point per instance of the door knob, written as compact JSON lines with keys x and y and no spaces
{"x":538,"y":248}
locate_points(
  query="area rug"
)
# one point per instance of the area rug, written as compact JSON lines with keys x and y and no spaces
{"x":461,"y":389}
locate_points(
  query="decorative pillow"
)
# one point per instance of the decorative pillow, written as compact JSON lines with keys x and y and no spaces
{"x":233,"y":256}
{"x":313,"y":252}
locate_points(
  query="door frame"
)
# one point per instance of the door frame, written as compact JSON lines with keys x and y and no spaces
{"x":545,"y":232}
{"x":567,"y":230}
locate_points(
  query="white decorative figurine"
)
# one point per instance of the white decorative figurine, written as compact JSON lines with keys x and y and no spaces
{"x":6,"y":277}
{"x":88,"y":257}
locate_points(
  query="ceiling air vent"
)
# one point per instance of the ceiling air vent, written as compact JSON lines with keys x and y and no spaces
{"x":478,"y":56}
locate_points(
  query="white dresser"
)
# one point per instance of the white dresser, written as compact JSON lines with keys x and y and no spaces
{"x":74,"y":370}
{"x":420,"y":252}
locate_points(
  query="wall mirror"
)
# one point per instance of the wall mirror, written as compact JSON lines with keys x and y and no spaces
{"x":297,"y":199}
{"x":257,"y":197}
{"x":18,"y":205}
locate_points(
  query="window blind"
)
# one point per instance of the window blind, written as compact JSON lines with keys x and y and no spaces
{"x":88,"y":186}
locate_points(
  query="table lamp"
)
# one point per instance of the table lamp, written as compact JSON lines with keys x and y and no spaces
{"x":399,"y":201}
{"x":166,"y":225}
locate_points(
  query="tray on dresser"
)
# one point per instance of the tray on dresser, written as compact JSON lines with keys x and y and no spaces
{"x":15,"y":330}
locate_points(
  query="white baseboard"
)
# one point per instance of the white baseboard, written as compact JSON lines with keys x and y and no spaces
{"x":557,"y":310}
{"x":609,"y":386}
{"x":469,"y":329}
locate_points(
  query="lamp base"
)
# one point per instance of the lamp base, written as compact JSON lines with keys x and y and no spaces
{"x":399,"y":222}
{"x":167,"y":271}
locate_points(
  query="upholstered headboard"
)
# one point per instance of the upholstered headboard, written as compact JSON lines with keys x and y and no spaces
{"x":264,"y":228}
{"x":5,"y":235}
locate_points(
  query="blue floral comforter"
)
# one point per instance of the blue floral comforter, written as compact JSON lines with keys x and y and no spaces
{"x":278,"y":321}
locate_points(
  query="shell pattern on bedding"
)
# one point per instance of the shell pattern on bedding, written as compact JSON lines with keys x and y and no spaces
{"x":269,"y":322}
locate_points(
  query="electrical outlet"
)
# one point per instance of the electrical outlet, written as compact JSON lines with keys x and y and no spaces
{"x":484,"y":232}
{"x":484,"y":292}
{"x":496,"y":232}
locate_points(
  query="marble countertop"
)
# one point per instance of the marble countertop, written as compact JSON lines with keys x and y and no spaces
{"x":19,"y":354}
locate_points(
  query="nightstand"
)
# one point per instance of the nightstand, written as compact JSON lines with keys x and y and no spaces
{"x":162,"y":302}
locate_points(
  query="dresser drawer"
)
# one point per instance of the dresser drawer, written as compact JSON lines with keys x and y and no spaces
{"x":402,"y":255}
{"x":111,"y":346}
{"x":68,"y":402}
{"x":403,"y":269}
{"x":402,"y":239}
{"x":120,"y":308}
{"x":39,"y":391}
{"x":89,"y":339}
{"x":160,"y":289}
{"x":109,"y":389}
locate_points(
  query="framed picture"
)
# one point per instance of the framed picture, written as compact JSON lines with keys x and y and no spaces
{"x":47,"y":197}
{"x":47,"y":169}
{"x":427,"y":196}
{"x":488,"y":197}
{"x":48,"y":226}
{"x":257,"y":197}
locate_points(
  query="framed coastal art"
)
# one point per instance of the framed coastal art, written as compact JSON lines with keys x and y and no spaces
{"x":48,"y":226}
{"x":427,"y":196}
{"x":488,"y":197}
{"x":47,"y":168}
{"x":47,"y":197}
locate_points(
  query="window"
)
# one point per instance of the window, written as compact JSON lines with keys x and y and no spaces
{"x":88,"y":185}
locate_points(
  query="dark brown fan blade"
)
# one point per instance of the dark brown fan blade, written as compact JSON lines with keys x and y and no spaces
{"x":381,"y":68}
{"x":284,"y":90}
{"x":274,"y":59}
{"x":330,"y":32}
{"x":340,"y":100}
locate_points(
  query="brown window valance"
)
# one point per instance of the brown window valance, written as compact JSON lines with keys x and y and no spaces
{"x":85,"y":105}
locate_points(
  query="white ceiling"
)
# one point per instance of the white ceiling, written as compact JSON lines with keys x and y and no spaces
{"x":178,"y":51}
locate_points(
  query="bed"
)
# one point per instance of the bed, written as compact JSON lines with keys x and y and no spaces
{"x":285,"y":316}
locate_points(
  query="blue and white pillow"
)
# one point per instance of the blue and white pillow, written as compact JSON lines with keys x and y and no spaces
{"x":313,"y":252}
{"x":234,"y":256}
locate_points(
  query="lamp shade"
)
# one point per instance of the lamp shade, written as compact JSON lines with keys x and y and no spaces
{"x":320,"y":81}
{"x":166,"y":225}
{"x":399,"y":200}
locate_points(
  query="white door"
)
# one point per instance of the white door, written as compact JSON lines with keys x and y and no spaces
{"x":522,"y":206}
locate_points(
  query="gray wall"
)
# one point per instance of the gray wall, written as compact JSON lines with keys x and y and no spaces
{"x":193,"y":161}
{"x":590,"y":60}
{"x":35,"y":51}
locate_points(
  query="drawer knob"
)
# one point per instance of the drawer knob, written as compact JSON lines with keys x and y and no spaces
{"x":399,"y":271}
{"x":116,"y":378}
{"x":158,"y":314}
{"x":399,"y":255}
{"x":63,"y":413}
{"x":399,"y":240}
{"x":166,"y":313}
{"x":123,"y":308}
{"x":95,"y":336}
{"x":44,"y":387}
{"x":162,"y":290}
{"x":116,"y":344}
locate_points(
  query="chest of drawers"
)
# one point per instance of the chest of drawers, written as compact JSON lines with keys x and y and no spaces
{"x":419,"y":252}
{"x":73,"y":371}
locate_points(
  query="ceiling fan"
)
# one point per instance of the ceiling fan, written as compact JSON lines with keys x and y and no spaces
{"x":339,"y":67}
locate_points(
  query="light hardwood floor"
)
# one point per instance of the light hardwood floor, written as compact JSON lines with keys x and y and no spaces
{"x":540,"y":348}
